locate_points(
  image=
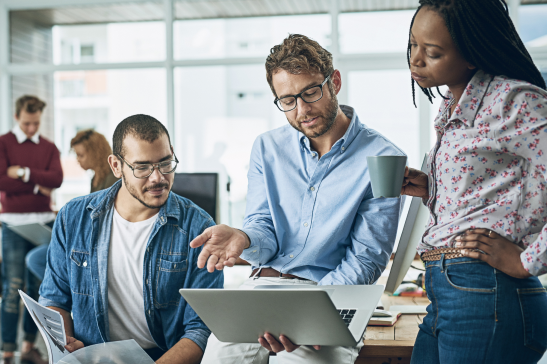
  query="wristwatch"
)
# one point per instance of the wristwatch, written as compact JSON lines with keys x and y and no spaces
{"x":20,"y":172}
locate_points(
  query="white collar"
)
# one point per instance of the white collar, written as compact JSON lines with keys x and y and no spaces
{"x":21,"y":136}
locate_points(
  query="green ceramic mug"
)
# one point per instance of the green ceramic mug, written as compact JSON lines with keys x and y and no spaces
{"x":387,"y":173}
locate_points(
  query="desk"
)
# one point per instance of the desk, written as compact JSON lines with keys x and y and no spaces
{"x":392,"y":344}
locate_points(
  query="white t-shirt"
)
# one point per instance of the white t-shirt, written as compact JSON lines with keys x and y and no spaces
{"x":126,"y":315}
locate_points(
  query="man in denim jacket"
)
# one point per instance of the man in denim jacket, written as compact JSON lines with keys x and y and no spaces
{"x":119,"y":256}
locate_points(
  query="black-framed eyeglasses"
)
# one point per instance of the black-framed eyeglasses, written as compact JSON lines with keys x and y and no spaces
{"x":146,"y":170}
{"x":310,"y":95}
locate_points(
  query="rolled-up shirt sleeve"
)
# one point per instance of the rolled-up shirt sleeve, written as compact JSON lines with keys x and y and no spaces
{"x":199,"y":336}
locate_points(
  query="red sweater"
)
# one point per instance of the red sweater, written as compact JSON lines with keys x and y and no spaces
{"x":45,"y":170}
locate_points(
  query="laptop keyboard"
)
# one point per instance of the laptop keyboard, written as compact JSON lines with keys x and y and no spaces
{"x":347,"y":315}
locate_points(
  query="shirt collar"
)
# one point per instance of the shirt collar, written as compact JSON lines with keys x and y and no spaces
{"x":468,"y":106}
{"x":348,"y":136}
{"x":21,"y":136}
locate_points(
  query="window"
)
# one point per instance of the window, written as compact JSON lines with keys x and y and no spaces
{"x":106,"y":43}
{"x":375,"y":32}
{"x":100,"y":100}
{"x":226,"y":38}
{"x":87,"y":53}
{"x":220,"y":110}
{"x":383,"y":102}
{"x":532,"y":25}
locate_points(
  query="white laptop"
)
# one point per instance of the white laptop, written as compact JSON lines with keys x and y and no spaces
{"x":307,"y":315}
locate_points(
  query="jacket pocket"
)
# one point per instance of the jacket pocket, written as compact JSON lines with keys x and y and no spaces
{"x":533,"y":304}
{"x":170,"y":278}
{"x":471,"y":276}
{"x":80,"y":273}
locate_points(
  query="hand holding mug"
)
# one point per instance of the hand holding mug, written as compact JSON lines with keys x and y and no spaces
{"x":415,"y":184}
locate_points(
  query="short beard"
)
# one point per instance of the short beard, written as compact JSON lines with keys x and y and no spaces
{"x":133,"y":192}
{"x":329,"y":117}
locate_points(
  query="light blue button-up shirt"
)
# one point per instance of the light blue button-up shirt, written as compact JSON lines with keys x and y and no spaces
{"x":317,"y":218}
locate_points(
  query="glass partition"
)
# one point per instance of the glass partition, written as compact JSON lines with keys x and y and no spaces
{"x":374,"y":32}
{"x":88,"y":33}
{"x":383,"y":102}
{"x":100,"y":100}
{"x":220,"y":110}
{"x":106,"y":43}
{"x":244,"y":37}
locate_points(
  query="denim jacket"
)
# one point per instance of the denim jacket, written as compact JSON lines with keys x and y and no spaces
{"x":76,"y":273}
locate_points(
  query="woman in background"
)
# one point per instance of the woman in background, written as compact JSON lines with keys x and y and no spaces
{"x":486,"y":190}
{"x":92,"y":151}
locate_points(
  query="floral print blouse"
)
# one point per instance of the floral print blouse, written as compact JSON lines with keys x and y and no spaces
{"x":488,"y":168}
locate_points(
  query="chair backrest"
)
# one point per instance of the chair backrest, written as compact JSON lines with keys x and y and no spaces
{"x":200,"y":188}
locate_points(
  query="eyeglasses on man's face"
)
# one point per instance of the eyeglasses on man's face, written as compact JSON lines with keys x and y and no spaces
{"x":309,"y":95}
{"x":146,"y":170}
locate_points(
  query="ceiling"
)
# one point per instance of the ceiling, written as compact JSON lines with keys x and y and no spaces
{"x":204,"y":9}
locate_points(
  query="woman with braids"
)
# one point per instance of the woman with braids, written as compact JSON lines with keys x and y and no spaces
{"x":486,"y":239}
{"x":92,"y":151}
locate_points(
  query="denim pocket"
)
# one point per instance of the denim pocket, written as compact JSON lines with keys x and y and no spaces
{"x":80,"y":273}
{"x":171,"y":276}
{"x":471,"y":276}
{"x":533,"y":304}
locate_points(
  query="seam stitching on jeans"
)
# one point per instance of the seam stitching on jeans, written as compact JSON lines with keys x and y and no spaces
{"x":436,"y":304}
{"x":530,"y":290}
{"x":467,"y":262}
{"x":476,"y":290}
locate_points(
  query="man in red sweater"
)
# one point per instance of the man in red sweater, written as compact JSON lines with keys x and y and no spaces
{"x":30,"y":168}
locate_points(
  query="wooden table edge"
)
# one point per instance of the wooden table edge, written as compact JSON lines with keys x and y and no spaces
{"x":387,"y":348}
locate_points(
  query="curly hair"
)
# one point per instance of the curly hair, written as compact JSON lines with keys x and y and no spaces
{"x":98,"y":148}
{"x":299,"y":54}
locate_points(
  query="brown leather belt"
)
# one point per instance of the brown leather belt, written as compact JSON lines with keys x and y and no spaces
{"x":449,"y":253}
{"x":270,"y":272}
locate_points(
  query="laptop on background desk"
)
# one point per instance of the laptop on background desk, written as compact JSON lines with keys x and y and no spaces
{"x":36,"y":233}
{"x":321,"y":315}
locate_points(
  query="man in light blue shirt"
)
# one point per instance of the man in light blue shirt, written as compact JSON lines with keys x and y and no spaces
{"x":311,"y":217}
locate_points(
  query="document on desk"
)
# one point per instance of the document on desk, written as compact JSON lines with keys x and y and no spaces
{"x":51,"y":326}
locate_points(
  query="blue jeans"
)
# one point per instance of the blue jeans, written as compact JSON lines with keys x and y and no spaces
{"x":16,"y":276}
{"x":480,"y":315}
{"x":36,"y":261}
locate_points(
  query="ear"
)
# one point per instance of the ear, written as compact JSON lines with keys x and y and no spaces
{"x":115,"y":165}
{"x":336,"y":78}
{"x":470,"y":66}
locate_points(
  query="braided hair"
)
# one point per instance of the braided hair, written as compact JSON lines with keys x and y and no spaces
{"x":485,"y":36}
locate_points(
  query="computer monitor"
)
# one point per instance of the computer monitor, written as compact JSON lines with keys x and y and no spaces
{"x":200,"y":188}
{"x":415,"y":220}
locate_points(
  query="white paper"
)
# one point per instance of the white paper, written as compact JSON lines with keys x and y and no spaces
{"x":116,"y":352}
{"x":51,"y":326}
